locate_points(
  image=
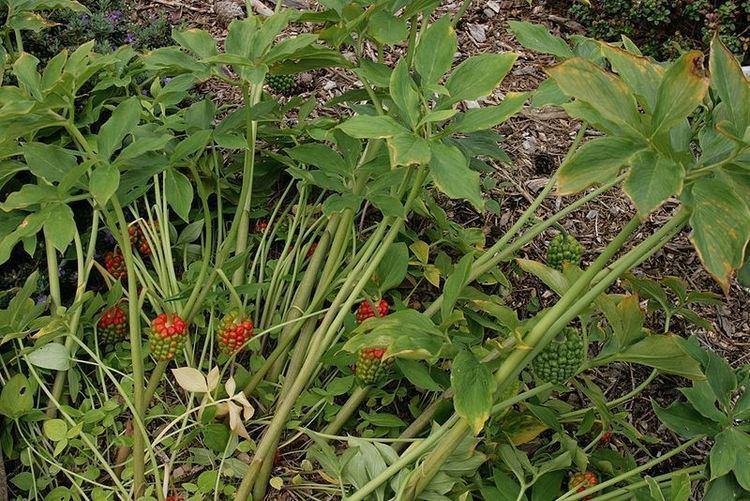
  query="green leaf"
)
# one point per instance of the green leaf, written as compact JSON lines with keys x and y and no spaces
{"x":321,"y":156}
{"x":731,"y":85}
{"x":474,"y":388}
{"x":29,"y":195}
{"x":392,"y":268}
{"x":554,"y":279}
{"x":366,"y":126}
{"x":417,"y":374}
{"x":652,"y":180}
{"x":684,"y":420}
{"x":596,"y":162}
{"x":17,"y":397}
{"x":642,"y":75}
{"x":478,"y":76}
{"x":60,"y":226}
{"x":48,"y":161}
{"x":122,"y":122}
{"x":703,"y":400}
{"x":603,"y":92}
{"x":449,"y":170}
{"x":680,"y":487}
{"x":25,"y":70}
{"x":404,"y":93}
{"x":433,"y":56}
{"x":681,"y":91}
{"x":179,"y":192}
{"x":386,"y":28}
{"x":537,"y":38}
{"x":484,"y":118}
{"x":454,"y":284}
{"x":199,"y":42}
{"x":241,"y":37}
{"x":52,"y":356}
{"x":288,"y":47}
{"x":378,"y":74}
{"x":724,"y":453}
{"x":55,"y":429}
{"x":721,"y":227}
{"x":663,"y":352}
{"x":408,"y":149}
{"x":104,"y":182}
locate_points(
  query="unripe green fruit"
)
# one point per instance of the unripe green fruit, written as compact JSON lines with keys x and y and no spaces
{"x":371,"y":367}
{"x":282,"y":84}
{"x":564,"y":249}
{"x":560,"y":360}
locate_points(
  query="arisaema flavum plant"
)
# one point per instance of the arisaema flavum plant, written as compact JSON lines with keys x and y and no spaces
{"x":275,"y":254}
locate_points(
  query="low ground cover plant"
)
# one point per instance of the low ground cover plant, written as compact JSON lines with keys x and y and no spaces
{"x":249,"y":312}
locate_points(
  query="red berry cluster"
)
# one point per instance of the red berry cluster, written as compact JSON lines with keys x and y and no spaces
{"x":582,"y":481}
{"x":234,"y":331}
{"x":114,"y":262}
{"x":364,"y":311}
{"x":113,"y":325}
{"x":139,"y":240}
{"x":168,"y":333}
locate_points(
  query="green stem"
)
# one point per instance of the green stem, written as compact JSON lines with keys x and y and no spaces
{"x":139,"y":481}
{"x":345,"y":412}
{"x":635,"y":471}
{"x":629,"y":489}
{"x":251,"y":97}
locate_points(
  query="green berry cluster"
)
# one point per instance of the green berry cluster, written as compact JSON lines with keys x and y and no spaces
{"x":282,"y":84}
{"x":564,"y":249}
{"x":560,"y":360}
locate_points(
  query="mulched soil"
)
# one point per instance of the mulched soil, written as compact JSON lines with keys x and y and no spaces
{"x":537,"y":141}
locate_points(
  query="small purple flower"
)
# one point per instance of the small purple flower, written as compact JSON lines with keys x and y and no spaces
{"x":42,"y":299}
{"x":130,"y":38}
{"x":114,"y":16}
{"x":166,"y":80}
{"x":84,"y":17}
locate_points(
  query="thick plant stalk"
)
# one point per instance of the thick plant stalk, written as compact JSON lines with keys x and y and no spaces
{"x":139,"y":481}
{"x":330,"y":325}
{"x":251,"y":97}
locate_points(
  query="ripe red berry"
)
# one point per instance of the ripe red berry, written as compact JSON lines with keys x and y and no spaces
{"x":234,"y":331}
{"x":113,"y":325}
{"x":606,"y":437}
{"x":261,"y":226}
{"x":114,"y":262}
{"x":168,"y":333}
{"x":174,"y":498}
{"x":364,"y":311}
{"x":139,"y":240}
{"x":582,"y":481}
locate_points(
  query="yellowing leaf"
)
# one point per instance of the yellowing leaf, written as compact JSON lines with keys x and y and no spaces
{"x":190,"y":379}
